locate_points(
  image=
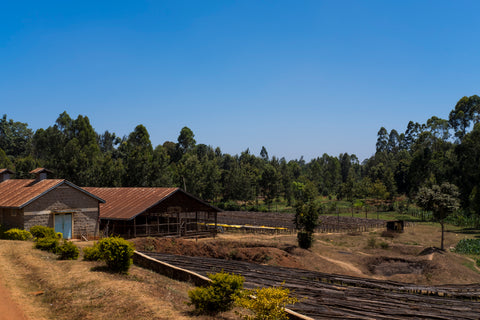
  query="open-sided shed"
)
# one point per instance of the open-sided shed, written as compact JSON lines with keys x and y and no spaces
{"x":136,"y":212}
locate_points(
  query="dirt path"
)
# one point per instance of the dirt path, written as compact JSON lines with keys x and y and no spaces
{"x":9,"y":310}
{"x":345,"y":265}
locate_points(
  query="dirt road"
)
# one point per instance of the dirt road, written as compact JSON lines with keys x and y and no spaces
{"x":9,"y":310}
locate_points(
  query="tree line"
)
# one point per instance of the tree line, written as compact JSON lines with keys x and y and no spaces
{"x":438,"y":151}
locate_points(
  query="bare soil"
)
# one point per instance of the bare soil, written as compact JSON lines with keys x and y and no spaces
{"x":396,"y":257}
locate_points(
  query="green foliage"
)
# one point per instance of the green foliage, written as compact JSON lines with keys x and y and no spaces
{"x":17,"y":234}
{"x":117,"y":253}
{"x":42,"y":232}
{"x":47,"y":244}
{"x":305,"y":239}
{"x":268,"y":304}
{"x":92,"y":253}
{"x":372,"y":243}
{"x":306,"y":220}
{"x":68,"y":251}
{"x":219,"y":296}
{"x":468,"y":246}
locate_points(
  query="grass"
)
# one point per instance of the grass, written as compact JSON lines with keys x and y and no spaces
{"x":71,"y":290}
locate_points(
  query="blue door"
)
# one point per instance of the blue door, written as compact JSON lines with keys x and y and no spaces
{"x":63,"y":224}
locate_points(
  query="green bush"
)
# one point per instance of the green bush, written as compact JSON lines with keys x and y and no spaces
{"x":268,"y":304}
{"x":42,"y":232}
{"x":468,"y":246}
{"x":47,"y":244}
{"x":17,"y":234}
{"x":59,"y":235}
{"x":92,"y":253}
{"x":219,"y":296}
{"x":117,"y":253}
{"x":68,"y":251}
{"x":305,"y":239}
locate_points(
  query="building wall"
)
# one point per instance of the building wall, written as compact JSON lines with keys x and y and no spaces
{"x":11,"y":218}
{"x":64,"y":199}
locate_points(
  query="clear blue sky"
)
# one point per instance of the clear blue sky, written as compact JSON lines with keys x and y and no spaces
{"x":298,"y":77}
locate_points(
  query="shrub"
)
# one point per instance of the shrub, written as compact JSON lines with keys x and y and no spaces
{"x":68,"y":251}
{"x":47,"y":244}
{"x":305,"y":239}
{"x":372,"y":242}
{"x":59,"y":235}
{"x":92,"y":253}
{"x":17,"y":234}
{"x":117,"y":253}
{"x":267,"y":304}
{"x":384,"y":245}
{"x":219,"y":296}
{"x":42,"y":232}
{"x":468,"y":246}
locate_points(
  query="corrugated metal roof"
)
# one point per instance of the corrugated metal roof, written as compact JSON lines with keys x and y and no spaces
{"x":40,"y":170}
{"x":17,"y":193}
{"x":127,"y":203}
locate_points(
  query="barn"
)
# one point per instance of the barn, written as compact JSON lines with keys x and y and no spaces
{"x":54,"y":203}
{"x":137,"y":212}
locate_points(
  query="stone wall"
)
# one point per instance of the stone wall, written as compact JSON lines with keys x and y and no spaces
{"x":65,"y":199}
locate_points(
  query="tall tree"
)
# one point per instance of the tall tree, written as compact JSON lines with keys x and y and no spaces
{"x":467,"y":110}
{"x":15,"y":137}
{"x":138,"y":152}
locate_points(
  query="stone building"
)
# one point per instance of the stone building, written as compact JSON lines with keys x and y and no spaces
{"x":54,"y":203}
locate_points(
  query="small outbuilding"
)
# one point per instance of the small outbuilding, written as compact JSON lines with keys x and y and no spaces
{"x":54,"y":203}
{"x":137,"y":212}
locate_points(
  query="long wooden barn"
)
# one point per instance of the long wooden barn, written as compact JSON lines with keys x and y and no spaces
{"x":138,"y":212}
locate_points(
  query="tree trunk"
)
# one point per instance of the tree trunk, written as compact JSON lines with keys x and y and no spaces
{"x":441,"y":223}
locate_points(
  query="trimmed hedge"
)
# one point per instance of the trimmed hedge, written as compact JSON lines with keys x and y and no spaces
{"x":117,"y":253}
{"x":68,"y":251}
{"x":42,"y":232}
{"x":219,"y":296}
{"x":92,"y":253}
{"x":47,"y":244}
{"x":17,"y":234}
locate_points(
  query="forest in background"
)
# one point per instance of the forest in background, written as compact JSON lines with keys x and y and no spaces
{"x":440,"y":150}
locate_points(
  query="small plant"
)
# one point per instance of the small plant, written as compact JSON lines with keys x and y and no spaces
{"x":384,"y":245}
{"x":92,"y":253}
{"x":117,"y":253}
{"x":59,"y":235}
{"x":372,"y":243}
{"x":47,"y":244}
{"x":266,"y":303}
{"x":68,"y":251}
{"x":42,"y":232}
{"x":219,"y":296}
{"x":17,"y":234}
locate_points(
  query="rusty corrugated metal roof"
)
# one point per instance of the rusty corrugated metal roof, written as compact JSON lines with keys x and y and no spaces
{"x":127,"y":203}
{"x":17,"y":193}
{"x":39,"y":170}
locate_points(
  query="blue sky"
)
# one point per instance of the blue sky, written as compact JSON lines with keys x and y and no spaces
{"x":301,"y":78}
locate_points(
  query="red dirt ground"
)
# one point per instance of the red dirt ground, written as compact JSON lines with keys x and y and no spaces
{"x":9,"y":310}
